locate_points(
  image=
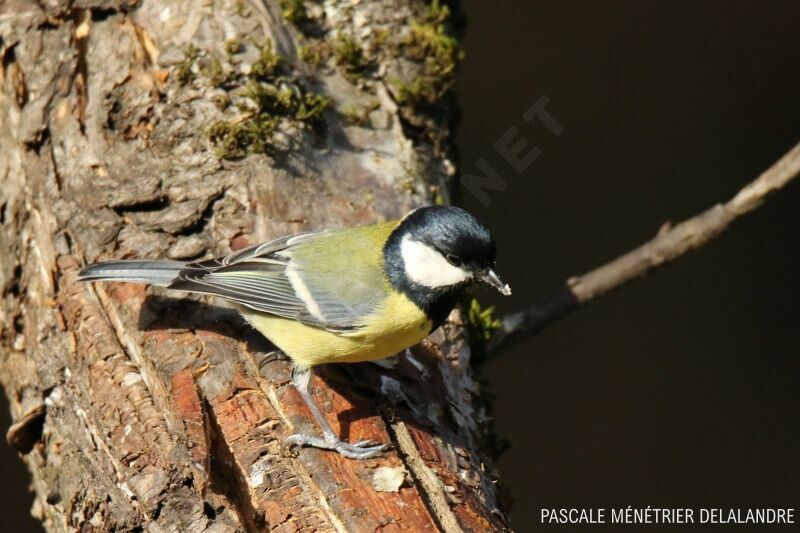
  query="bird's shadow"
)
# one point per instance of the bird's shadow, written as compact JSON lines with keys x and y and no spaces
{"x":366,"y":386}
{"x":167,"y":312}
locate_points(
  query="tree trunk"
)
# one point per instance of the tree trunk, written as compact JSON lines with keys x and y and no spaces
{"x":175,"y":130}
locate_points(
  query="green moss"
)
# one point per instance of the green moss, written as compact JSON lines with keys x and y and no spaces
{"x":274,"y":106}
{"x":242,"y":10}
{"x":428,"y":44}
{"x":232,"y":47}
{"x":271,"y":97}
{"x":438,"y":50}
{"x":438,"y":198}
{"x":359,"y":114}
{"x":347,"y":50}
{"x":311,"y":107}
{"x":183,"y":73}
{"x":315,"y":53}
{"x":267,"y":66}
{"x":420,"y":90}
{"x":210,"y":67}
{"x":437,"y":13}
{"x":380,"y":39}
{"x":222,"y":101}
{"x":406,"y":92}
{"x":481,"y":322}
{"x":214,"y":72}
{"x":439,"y":56}
{"x":407,"y":183}
{"x":294,"y":11}
{"x":236,"y":139}
{"x":268,"y":98}
{"x":350,"y":56}
{"x":288,"y":101}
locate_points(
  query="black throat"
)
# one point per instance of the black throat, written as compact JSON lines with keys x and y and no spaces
{"x":435,"y":302}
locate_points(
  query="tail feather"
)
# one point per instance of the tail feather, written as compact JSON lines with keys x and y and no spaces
{"x":152,"y":272}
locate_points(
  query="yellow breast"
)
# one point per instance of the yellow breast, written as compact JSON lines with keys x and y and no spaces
{"x":396,"y":325}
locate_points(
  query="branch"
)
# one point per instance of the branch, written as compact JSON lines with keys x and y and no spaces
{"x":670,"y":243}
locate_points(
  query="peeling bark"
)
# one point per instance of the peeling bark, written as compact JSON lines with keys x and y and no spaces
{"x":135,"y":409}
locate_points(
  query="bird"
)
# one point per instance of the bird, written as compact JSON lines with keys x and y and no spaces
{"x":338,"y":296}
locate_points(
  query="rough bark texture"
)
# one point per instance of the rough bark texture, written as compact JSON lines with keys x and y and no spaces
{"x":135,"y":409}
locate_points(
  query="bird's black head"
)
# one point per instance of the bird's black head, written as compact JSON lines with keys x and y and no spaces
{"x":454,"y":234}
{"x":436,"y":252}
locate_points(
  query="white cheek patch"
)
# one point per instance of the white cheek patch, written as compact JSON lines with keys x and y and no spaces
{"x":426,"y":266}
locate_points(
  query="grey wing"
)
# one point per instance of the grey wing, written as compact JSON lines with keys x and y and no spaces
{"x":264,"y":278}
{"x":258,"y":251}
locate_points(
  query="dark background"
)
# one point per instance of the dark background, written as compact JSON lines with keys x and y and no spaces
{"x":682,"y":389}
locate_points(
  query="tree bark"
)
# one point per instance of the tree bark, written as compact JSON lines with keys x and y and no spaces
{"x":142,"y":129}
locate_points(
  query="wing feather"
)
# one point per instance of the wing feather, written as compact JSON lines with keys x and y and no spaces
{"x":265,"y":277}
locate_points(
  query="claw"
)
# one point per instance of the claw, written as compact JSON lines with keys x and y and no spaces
{"x":298,"y":441}
{"x":363,"y":449}
{"x":271,"y":357}
{"x":354,"y":451}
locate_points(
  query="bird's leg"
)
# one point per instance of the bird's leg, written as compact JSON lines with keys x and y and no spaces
{"x":364,"y":449}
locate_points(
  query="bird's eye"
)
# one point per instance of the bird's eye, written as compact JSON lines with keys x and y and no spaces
{"x":453,"y":259}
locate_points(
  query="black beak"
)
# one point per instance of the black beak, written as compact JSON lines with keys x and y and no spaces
{"x":490,"y":277}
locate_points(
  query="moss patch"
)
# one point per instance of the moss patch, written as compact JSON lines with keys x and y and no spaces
{"x":184,"y":73}
{"x":438,"y":54}
{"x":242,"y":10}
{"x":315,"y":52}
{"x":270,"y":98}
{"x":481,"y":321}
{"x":438,"y":198}
{"x":237,"y":139}
{"x":232,"y":47}
{"x":291,"y":101}
{"x":294,"y":11}
{"x":350,"y":56}
{"x":266,"y":66}
{"x":214,"y":72}
{"x":358,"y":114}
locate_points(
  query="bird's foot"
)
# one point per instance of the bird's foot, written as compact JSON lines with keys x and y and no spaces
{"x":363,"y":449}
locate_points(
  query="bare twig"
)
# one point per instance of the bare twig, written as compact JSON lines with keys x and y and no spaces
{"x":669,"y":244}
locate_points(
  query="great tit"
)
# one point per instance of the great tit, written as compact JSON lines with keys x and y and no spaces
{"x":339,"y":296}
